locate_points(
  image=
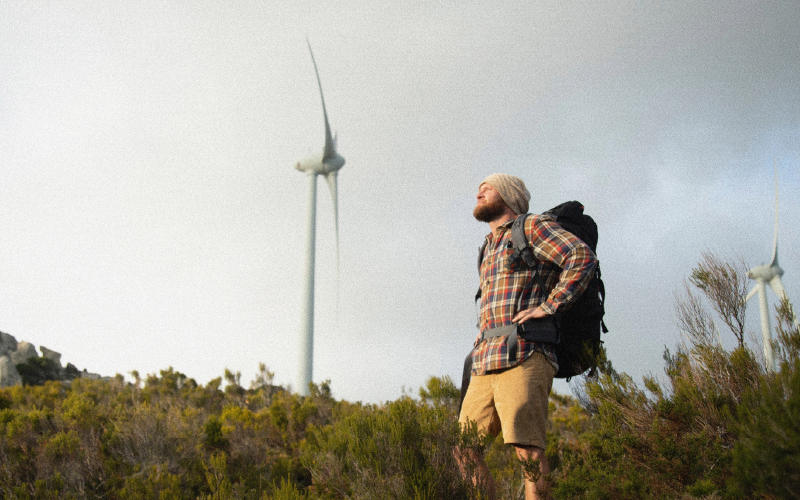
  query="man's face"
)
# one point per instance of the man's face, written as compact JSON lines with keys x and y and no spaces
{"x":490,"y":204}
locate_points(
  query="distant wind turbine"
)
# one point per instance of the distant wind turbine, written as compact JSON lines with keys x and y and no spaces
{"x":768,"y":274}
{"x":327,"y":163}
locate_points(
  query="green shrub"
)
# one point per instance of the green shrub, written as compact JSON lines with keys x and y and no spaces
{"x":37,"y":371}
{"x":396,"y":451}
{"x":287,"y":491}
{"x":672,"y":437}
{"x":213,"y":439}
{"x":441,"y":391}
{"x":767,"y":455}
{"x":153,"y":482}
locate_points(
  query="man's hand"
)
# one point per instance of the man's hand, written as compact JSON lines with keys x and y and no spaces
{"x":532,"y":313}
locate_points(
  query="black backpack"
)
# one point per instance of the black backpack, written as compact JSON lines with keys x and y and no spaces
{"x":580,"y":325}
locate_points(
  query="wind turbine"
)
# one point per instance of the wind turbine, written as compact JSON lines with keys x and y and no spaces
{"x":768,"y":274}
{"x":326,"y":163}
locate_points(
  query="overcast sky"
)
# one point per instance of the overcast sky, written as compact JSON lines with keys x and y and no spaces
{"x":150,"y":214}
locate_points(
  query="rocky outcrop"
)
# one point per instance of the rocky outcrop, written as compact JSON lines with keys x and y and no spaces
{"x":90,"y":376}
{"x":7,"y":344}
{"x":51,"y":355}
{"x":14,"y":354}
{"x":24,"y":352}
{"x":8,"y":373}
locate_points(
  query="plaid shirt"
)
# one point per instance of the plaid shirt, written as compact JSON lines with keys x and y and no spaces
{"x":565,"y":265}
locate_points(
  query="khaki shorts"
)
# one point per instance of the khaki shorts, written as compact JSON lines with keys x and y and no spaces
{"x":514,"y":401}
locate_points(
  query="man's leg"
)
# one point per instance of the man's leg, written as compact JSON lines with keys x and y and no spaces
{"x":478,"y":409}
{"x":480,"y":475}
{"x":522,"y":404}
{"x":536,"y":487}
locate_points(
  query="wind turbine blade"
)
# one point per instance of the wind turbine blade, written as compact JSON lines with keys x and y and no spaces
{"x":777,"y":287}
{"x":751,"y":293}
{"x":332,"y":185}
{"x":775,"y":246}
{"x":330,"y":145}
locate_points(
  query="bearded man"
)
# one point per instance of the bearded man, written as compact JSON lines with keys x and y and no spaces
{"x":512,"y":373}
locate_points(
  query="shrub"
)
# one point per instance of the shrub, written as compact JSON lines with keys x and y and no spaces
{"x":37,"y":371}
{"x":674,"y":436}
{"x":767,"y":455}
{"x":441,"y":391}
{"x":396,"y":451}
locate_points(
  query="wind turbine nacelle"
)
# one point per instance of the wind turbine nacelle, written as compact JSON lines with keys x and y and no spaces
{"x":310,"y":164}
{"x":318,"y":164}
{"x":764,"y":273}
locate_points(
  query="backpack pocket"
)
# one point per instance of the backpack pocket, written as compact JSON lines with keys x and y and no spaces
{"x":539,"y":330}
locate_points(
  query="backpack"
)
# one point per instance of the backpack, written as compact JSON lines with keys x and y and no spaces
{"x":580,"y":325}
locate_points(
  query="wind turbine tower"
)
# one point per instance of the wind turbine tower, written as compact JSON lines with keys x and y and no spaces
{"x":326,"y":163}
{"x":768,"y":274}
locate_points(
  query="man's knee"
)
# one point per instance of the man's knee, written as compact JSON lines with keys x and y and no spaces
{"x":528,"y":452}
{"x":534,"y":462}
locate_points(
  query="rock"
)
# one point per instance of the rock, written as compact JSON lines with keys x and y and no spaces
{"x":8,"y":373}
{"x":8,"y":344}
{"x":51,"y":355}
{"x":91,"y":376}
{"x":70,"y":372}
{"x":24,"y":352}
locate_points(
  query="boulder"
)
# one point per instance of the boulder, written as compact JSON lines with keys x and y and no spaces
{"x":8,"y":373}
{"x":90,"y":376}
{"x":8,"y":344}
{"x":51,"y":355}
{"x":25,"y":351}
{"x":70,"y":372}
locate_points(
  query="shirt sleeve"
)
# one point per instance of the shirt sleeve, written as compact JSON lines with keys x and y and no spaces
{"x":551,"y":243}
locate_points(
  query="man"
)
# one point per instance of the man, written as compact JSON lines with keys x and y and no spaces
{"x":512,"y":374}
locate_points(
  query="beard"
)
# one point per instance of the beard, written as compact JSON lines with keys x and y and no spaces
{"x":489,"y":211}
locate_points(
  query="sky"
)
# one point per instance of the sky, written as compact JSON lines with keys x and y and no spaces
{"x":151,"y":217}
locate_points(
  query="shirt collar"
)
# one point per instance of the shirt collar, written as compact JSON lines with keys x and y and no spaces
{"x":504,"y":226}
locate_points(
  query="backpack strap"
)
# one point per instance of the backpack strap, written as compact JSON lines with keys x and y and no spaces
{"x":465,"y":378}
{"x":480,"y":261}
{"x":602,"y":292}
{"x":522,"y":248}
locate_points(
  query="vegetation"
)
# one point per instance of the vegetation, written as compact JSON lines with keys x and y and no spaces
{"x":715,"y":425}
